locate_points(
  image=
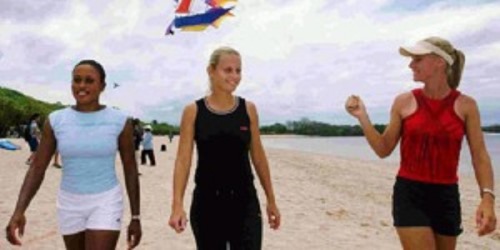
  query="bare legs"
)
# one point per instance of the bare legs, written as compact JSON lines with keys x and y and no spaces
{"x":92,"y":239}
{"x":424,"y":238}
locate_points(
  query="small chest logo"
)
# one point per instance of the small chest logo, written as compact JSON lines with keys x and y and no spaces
{"x":243,"y":128}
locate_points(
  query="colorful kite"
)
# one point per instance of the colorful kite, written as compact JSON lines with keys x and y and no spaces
{"x":197,"y":15}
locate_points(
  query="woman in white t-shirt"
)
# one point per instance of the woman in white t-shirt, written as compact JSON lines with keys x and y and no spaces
{"x":90,"y":200}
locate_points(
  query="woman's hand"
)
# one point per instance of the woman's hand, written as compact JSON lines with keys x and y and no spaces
{"x":273,"y":216}
{"x":178,"y":220}
{"x":15,"y":229}
{"x":134,"y":233}
{"x":355,"y":106}
{"x":486,"y":220}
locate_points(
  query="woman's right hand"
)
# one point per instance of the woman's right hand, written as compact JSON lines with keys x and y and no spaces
{"x":15,"y":229}
{"x":178,"y":220}
{"x":355,"y":106}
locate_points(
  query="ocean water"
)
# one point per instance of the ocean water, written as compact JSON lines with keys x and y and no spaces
{"x":358,"y":148}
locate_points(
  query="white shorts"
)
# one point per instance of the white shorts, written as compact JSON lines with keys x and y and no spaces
{"x":79,"y":212}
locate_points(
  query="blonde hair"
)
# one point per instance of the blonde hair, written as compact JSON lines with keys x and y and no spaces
{"x":216,"y":54}
{"x":215,"y":58}
{"x":454,"y":71}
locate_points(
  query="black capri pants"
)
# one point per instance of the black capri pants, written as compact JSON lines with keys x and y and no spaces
{"x":419,"y":204}
{"x":226,"y":217}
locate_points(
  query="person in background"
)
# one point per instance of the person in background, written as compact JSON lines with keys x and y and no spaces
{"x":138,"y":132}
{"x":225,"y":210}
{"x":147,"y":146}
{"x":56,"y":163}
{"x":90,"y":201}
{"x":431,"y":123}
{"x":170,"y":136}
{"x":32,"y":136}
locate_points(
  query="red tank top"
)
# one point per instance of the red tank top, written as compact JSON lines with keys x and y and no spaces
{"x":431,"y":140}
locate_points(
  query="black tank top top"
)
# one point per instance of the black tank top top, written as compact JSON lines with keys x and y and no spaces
{"x":223,"y":143}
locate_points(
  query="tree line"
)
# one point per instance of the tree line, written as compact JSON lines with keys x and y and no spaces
{"x":309,"y":127}
{"x":16,"y":108}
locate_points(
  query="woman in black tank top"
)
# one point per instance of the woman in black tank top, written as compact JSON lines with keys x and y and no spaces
{"x":225,"y":210}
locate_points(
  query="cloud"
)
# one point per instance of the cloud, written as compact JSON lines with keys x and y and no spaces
{"x":26,"y":11}
{"x":300,"y":58}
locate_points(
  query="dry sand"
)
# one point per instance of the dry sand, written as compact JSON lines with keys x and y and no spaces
{"x":326,"y":203}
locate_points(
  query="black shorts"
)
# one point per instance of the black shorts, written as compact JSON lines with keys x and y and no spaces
{"x":137,"y":144}
{"x":418,"y":204}
{"x":223,"y":217}
{"x":33,"y":143}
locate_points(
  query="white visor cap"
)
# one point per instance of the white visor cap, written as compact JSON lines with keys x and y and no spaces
{"x":424,"y":48}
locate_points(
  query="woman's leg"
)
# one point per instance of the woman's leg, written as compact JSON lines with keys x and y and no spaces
{"x":207,"y":221}
{"x":246,"y":223}
{"x":75,"y":241}
{"x":152,"y":159}
{"x":444,"y":242}
{"x":101,"y":239}
{"x":416,"y":238}
{"x":425,"y":238}
{"x":143,"y":157}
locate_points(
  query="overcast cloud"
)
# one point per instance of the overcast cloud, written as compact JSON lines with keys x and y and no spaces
{"x":300,"y":58}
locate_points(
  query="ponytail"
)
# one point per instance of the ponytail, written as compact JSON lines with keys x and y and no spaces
{"x":455,"y":70}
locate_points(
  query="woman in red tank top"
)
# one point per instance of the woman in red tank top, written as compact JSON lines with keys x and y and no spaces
{"x":431,"y":123}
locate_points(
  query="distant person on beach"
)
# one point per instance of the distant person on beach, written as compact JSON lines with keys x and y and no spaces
{"x":32,"y":136}
{"x":90,"y":201}
{"x":431,"y":122}
{"x":138,"y":132}
{"x":225,"y":210}
{"x":56,"y":163}
{"x":147,"y":146}
{"x":170,"y":136}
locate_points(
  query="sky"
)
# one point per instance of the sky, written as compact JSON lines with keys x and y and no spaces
{"x":300,"y":59}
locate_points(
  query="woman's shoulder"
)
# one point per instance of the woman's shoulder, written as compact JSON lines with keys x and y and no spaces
{"x":251,"y":108}
{"x":114,"y":115}
{"x":190,"y":111}
{"x":465,"y":102}
{"x":465,"y":98}
{"x":247,"y":102}
{"x":59,"y":112}
{"x":192,"y":107}
{"x":116,"y":111}
{"x":405,"y":97}
{"x":62,"y":110}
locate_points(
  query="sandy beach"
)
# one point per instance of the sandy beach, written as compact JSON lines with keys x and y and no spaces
{"x":326,"y":203}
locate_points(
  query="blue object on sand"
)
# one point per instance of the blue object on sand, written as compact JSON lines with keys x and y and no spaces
{"x":6,"y":144}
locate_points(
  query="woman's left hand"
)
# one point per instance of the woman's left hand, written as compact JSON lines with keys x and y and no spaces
{"x":134,"y":233}
{"x":273,"y":216}
{"x":486,"y":220}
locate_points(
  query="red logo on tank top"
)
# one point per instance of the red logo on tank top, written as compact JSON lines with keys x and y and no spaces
{"x":244,"y":128}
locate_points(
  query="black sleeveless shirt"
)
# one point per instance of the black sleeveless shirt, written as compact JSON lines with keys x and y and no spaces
{"x":223,"y":143}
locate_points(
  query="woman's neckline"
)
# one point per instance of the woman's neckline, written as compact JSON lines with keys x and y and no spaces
{"x":222,"y":112}
{"x":436,"y":99}
{"x":101,"y":108}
